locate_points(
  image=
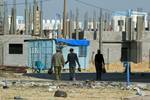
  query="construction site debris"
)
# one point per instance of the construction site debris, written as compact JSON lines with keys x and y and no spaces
{"x":137,"y":98}
{"x":18,"y":98}
{"x":15,"y":69}
{"x":5,"y":87}
{"x":60,"y":93}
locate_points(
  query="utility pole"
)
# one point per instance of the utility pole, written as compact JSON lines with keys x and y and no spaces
{"x":65,"y":19}
{"x":100,"y":30}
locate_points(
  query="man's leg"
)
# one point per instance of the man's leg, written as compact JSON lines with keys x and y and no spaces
{"x":98,"y":73}
{"x":56,"y":73}
{"x":70,"y":73}
{"x":73,"y":73}
{"x":59,"y":72}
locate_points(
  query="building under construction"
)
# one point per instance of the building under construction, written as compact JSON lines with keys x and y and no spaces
{"x":13,"y":49}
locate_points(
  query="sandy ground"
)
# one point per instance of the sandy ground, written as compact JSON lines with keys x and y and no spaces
{"x":41,"y":93}
{"x":74,"y":93}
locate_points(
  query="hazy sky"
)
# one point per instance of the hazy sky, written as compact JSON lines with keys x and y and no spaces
{"x":52,"y":7}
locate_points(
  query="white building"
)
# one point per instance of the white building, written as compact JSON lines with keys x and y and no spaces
{"x":13,"y":50}
{"x":121,"y":15}
{"x":20,"y":25}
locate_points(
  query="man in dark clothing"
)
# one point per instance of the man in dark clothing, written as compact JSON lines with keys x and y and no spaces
{"x":99,"y":63}
{"x":72,"y":59}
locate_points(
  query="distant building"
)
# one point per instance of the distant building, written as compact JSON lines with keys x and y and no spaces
{"x":20,"y":25}
{"x":121,"y":15}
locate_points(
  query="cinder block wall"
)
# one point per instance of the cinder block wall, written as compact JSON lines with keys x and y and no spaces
{"x":114,"y":49}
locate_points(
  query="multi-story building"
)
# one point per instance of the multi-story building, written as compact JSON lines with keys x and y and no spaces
{"x":120,"y":16}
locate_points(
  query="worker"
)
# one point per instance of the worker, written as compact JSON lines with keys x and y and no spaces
{"x":99,"y":64}
{"x":58,"y":63}
{"x":72,"y":59}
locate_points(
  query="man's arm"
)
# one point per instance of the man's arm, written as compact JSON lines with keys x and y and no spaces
{"x":95,"y":59}
{"x":67,"y":59}
{"x":103,"y":59}
{"x":77,"y":60}
{"x":52,"y":62}
{"x":62,"y":60}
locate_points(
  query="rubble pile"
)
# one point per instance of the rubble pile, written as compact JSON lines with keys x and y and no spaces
{"x":77,"y":84}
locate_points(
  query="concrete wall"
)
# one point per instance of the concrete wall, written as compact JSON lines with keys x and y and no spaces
{"x":146,"y":46}
{"x":114,"y":49}
{"x":14,"y":59}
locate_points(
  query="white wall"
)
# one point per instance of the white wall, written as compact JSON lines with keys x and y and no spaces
{"x":115,"y":23}
{"x":15,"y":59}
{"x":134,"y":15}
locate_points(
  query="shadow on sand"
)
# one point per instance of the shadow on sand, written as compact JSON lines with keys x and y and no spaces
{"x":118,"y":77}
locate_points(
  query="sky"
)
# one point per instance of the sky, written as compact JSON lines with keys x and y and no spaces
{"x":53,"y":7}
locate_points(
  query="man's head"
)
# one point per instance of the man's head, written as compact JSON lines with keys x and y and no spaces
{"x":58,"y":50}
{"x":98,"y":51}
{"x":71,"y":49}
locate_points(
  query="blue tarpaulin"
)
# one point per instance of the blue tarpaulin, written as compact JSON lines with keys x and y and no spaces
{"x":73,"y":42}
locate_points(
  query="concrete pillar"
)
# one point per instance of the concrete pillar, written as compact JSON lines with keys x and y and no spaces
{"x":36,"y":19}
{"x":71,"y":28}
{"x":67,"y":28}
{"x":129,"y":28}
{"x":86,"y":21}
{"x":94,"y":21}
{"x":30,"y":20}
{"x":77,"y":23}
{"x":90,"y":24}
{"x":65,"y":19}
{"x":26,"y":18}
{"x":6,"y":26}
{"x":140,"y":27}
{"x":148,"y":25}
{"x":14,"y":18}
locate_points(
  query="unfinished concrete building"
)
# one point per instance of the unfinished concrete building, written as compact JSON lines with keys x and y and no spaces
{"x":131,"y":45}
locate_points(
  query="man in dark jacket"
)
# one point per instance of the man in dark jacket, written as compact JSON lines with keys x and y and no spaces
{"x":99,"y":63}
{"x":72,"y":59}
